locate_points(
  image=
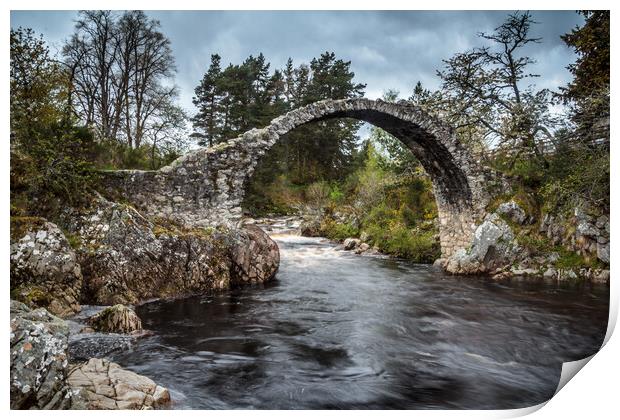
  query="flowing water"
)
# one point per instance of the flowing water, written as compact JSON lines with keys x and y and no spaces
{"x":338,"y":330}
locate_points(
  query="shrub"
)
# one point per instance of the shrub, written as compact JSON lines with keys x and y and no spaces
{"x":318,"y":193}
{"x":338,"y":231}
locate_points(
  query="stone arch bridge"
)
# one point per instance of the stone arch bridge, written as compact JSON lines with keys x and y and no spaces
{"x":206,"y":186}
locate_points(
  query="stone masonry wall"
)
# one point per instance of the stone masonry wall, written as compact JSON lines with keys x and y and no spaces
{"x":206,"y":186}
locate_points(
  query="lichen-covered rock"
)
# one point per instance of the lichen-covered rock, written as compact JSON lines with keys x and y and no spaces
{"x":116,"y":319}
{"x":512,"y":211}
{"x":44,"y":267}
{"x":127,"y":258}
{"x":255,"y":257}
{"x":106,"y":386}
{"x":493,"y":247}
{"x":38,"y":359}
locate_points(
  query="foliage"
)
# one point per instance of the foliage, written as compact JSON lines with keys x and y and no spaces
{"x":239,"y":97}
{"x":49,"y":155}
{"x":318,"y":193}
{"x":591,"y":43}
{"x":481,"y":92}
{"x":338,"y":231}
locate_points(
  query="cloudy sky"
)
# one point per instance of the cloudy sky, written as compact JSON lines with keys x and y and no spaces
{"x":387,"y":49}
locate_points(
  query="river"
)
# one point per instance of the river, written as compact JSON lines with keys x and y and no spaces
{"x":339,"y":330}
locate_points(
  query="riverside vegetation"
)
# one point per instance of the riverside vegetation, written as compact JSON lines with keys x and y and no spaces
{"x":72,"y":243}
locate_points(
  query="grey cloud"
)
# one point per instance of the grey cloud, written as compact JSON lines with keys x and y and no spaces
{"x":388,"y":49}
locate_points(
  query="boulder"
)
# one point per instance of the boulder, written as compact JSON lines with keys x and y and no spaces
{"x":38,"y":360}
{"x":127,"y":258}
{"x":493,"y":247}
{"x":255,"y":257}
{"x":44,"y":268}
{"x":106,"y":386}
{"x":351,"y":243}
{"x":362,"y":248}
{"x":601,"y":276}
{"x":512,"y":211}
{"x":310,"y":227}
{"x":116,"y":319}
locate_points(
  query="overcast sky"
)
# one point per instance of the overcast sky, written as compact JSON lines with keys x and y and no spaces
{"x":387,"y":49}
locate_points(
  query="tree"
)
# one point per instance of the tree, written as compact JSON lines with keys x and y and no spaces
{"x":121,"y":65}
{"x":591,"y":43}
{"x":167,"y":134}
{"x":324,"y":150}
{"x":38,"y":87}
{"x":482,"y":92}
{"x":588,"y":93}
{"x":207,"y":100}
{"x":399,"y":158}
{"x":579,"y":171}
{"x":48,"y":152}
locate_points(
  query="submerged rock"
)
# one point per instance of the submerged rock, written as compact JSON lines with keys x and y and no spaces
{"x":38,"y":360}
{"x":106,"y":386}
{"x":44,"y":268}
{"x":116,"y":319}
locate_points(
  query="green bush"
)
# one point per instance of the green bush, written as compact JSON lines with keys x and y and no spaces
{"x":416,"y":245}
{"x":338,"y":231}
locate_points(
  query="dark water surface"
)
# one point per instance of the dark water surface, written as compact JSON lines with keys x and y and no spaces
{"x":336,"y":330}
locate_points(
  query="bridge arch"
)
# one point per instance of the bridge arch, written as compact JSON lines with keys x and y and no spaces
{"x":206,"y":186}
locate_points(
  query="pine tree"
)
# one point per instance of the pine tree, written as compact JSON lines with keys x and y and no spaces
{"x":207,"y":101}
{"x":588,"y":93}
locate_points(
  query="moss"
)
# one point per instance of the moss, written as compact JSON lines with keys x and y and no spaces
{"x":74,"y":240}
{"x":32,"y":296}
{"x":169,"y":227}
{"x":22,"y":225}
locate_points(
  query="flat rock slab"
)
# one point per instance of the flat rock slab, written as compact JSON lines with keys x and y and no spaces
{"x":107,"y":386}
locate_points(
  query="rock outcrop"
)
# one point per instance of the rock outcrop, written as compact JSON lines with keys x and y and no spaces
{"x":38,"y":360}
{"x":106,"y":386}
{"x":585,"y":233}
{"x":494,"y":246}
{"x":127,"y":258}
{"x":512,"y":211}
{"x":44,"y":268}
{"x":41,"y":378}
{"x":116,"y":319}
